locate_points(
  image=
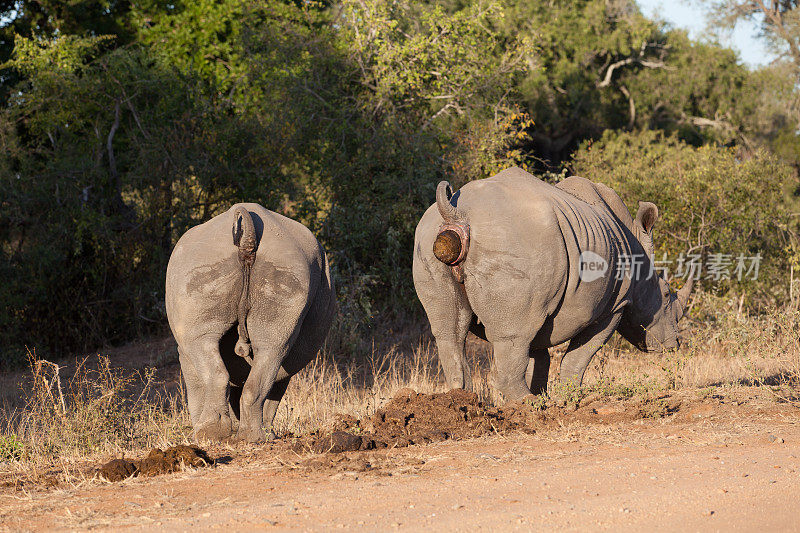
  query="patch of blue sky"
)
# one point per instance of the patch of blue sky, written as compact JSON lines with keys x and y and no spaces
{"x":693,"y":18}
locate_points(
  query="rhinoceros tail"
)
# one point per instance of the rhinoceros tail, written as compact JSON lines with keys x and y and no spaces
{"x":452,"y":242}
{"x":244,"y":237}
{"x":443,"y":194}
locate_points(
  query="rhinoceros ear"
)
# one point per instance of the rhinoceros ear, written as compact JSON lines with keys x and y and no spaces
{"x":647,"y":216}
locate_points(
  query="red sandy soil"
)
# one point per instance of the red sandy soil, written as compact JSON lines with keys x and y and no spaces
{"x":721,"y":463}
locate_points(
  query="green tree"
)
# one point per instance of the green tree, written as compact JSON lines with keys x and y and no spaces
{"x":705,"y":200}
{"x":779,"y":28}
{"x":124,"y":123}
{"x":96,"y":192}
{"x":779,"y":23}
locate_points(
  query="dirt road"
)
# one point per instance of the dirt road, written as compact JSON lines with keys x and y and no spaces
{"x":711,"y":467}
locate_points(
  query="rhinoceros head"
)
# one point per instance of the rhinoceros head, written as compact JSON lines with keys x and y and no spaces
{"x":650,"y":321}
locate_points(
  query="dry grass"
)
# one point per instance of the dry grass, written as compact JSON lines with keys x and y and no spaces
{"x":101,"y":410}
{"x":720,"y":348}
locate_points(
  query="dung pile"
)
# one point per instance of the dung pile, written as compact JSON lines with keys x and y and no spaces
{"x":157,"y":462}
{"x":418,"y":418}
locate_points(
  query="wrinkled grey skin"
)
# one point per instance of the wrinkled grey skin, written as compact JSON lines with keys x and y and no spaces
{"x":292,"y":303}
{"x":522,"y":290}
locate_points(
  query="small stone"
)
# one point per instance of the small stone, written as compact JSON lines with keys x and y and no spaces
{"x":608,"y":410}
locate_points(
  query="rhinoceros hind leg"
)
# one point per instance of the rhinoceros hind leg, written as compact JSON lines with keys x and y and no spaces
{"x":453,"y":360}
{"x":511,"y":362}
{"x":583,"y":346}
{"x":538,"y":370}
{"x":215,"y":429}
{"x":207,"y":387}
{"x":195,"y":388}
{"x":271,"y":405}
{"x":449,"y":314}
{"x":263,"y":376}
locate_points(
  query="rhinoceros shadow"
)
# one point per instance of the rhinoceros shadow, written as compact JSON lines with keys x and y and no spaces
{"x":237,"y":368}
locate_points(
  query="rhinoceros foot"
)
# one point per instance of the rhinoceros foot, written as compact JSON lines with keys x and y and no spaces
{"x":219,"y":429}
{"x":252,"y":435}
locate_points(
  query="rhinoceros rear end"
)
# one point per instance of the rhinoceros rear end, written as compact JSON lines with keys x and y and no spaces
{"x":271,"y":284}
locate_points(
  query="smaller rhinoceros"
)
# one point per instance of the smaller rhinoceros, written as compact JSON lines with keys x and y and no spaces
{"x":249,"y":300}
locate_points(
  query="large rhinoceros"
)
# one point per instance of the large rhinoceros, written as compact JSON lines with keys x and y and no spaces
{"x":250,"y":300}
{"x":527,"y":265}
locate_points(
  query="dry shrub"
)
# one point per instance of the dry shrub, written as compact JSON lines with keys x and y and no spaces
{"x":731,"y":347}
{"x":721,"y":346}
{"x":356,"y":387}
{"x":99,"y":409}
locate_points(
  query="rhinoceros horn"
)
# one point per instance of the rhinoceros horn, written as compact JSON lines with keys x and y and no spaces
{"x":683,"y":296}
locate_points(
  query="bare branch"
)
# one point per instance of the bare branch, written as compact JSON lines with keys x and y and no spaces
{"x":631,"y":106}
{"x":55,"y":380}
{"x":719,"y":124}
{"x":639,"y":60}
{"x":52,"y":140}
{"x":443,"y":110}
{"x":612,"y":67}
{"x":703,"y":122}
{"x":112,"y":162}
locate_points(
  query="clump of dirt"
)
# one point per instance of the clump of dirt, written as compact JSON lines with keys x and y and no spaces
{"x":340,"y":441}
{"x":413,"y":418}
{"x":156,"y":463}
{"x":172,"y":459}
{"x":418,"y":418}
{"x":118,"y":469}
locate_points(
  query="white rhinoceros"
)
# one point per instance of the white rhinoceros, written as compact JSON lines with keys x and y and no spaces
{"x":527,"y":265}
{"x":255,"y":274}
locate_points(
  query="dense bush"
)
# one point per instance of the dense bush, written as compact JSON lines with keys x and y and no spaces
{"x":110,"y":154}
{"x":122,"y":124}
{"x":106,"y":158}
{"x":710,"y":201}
